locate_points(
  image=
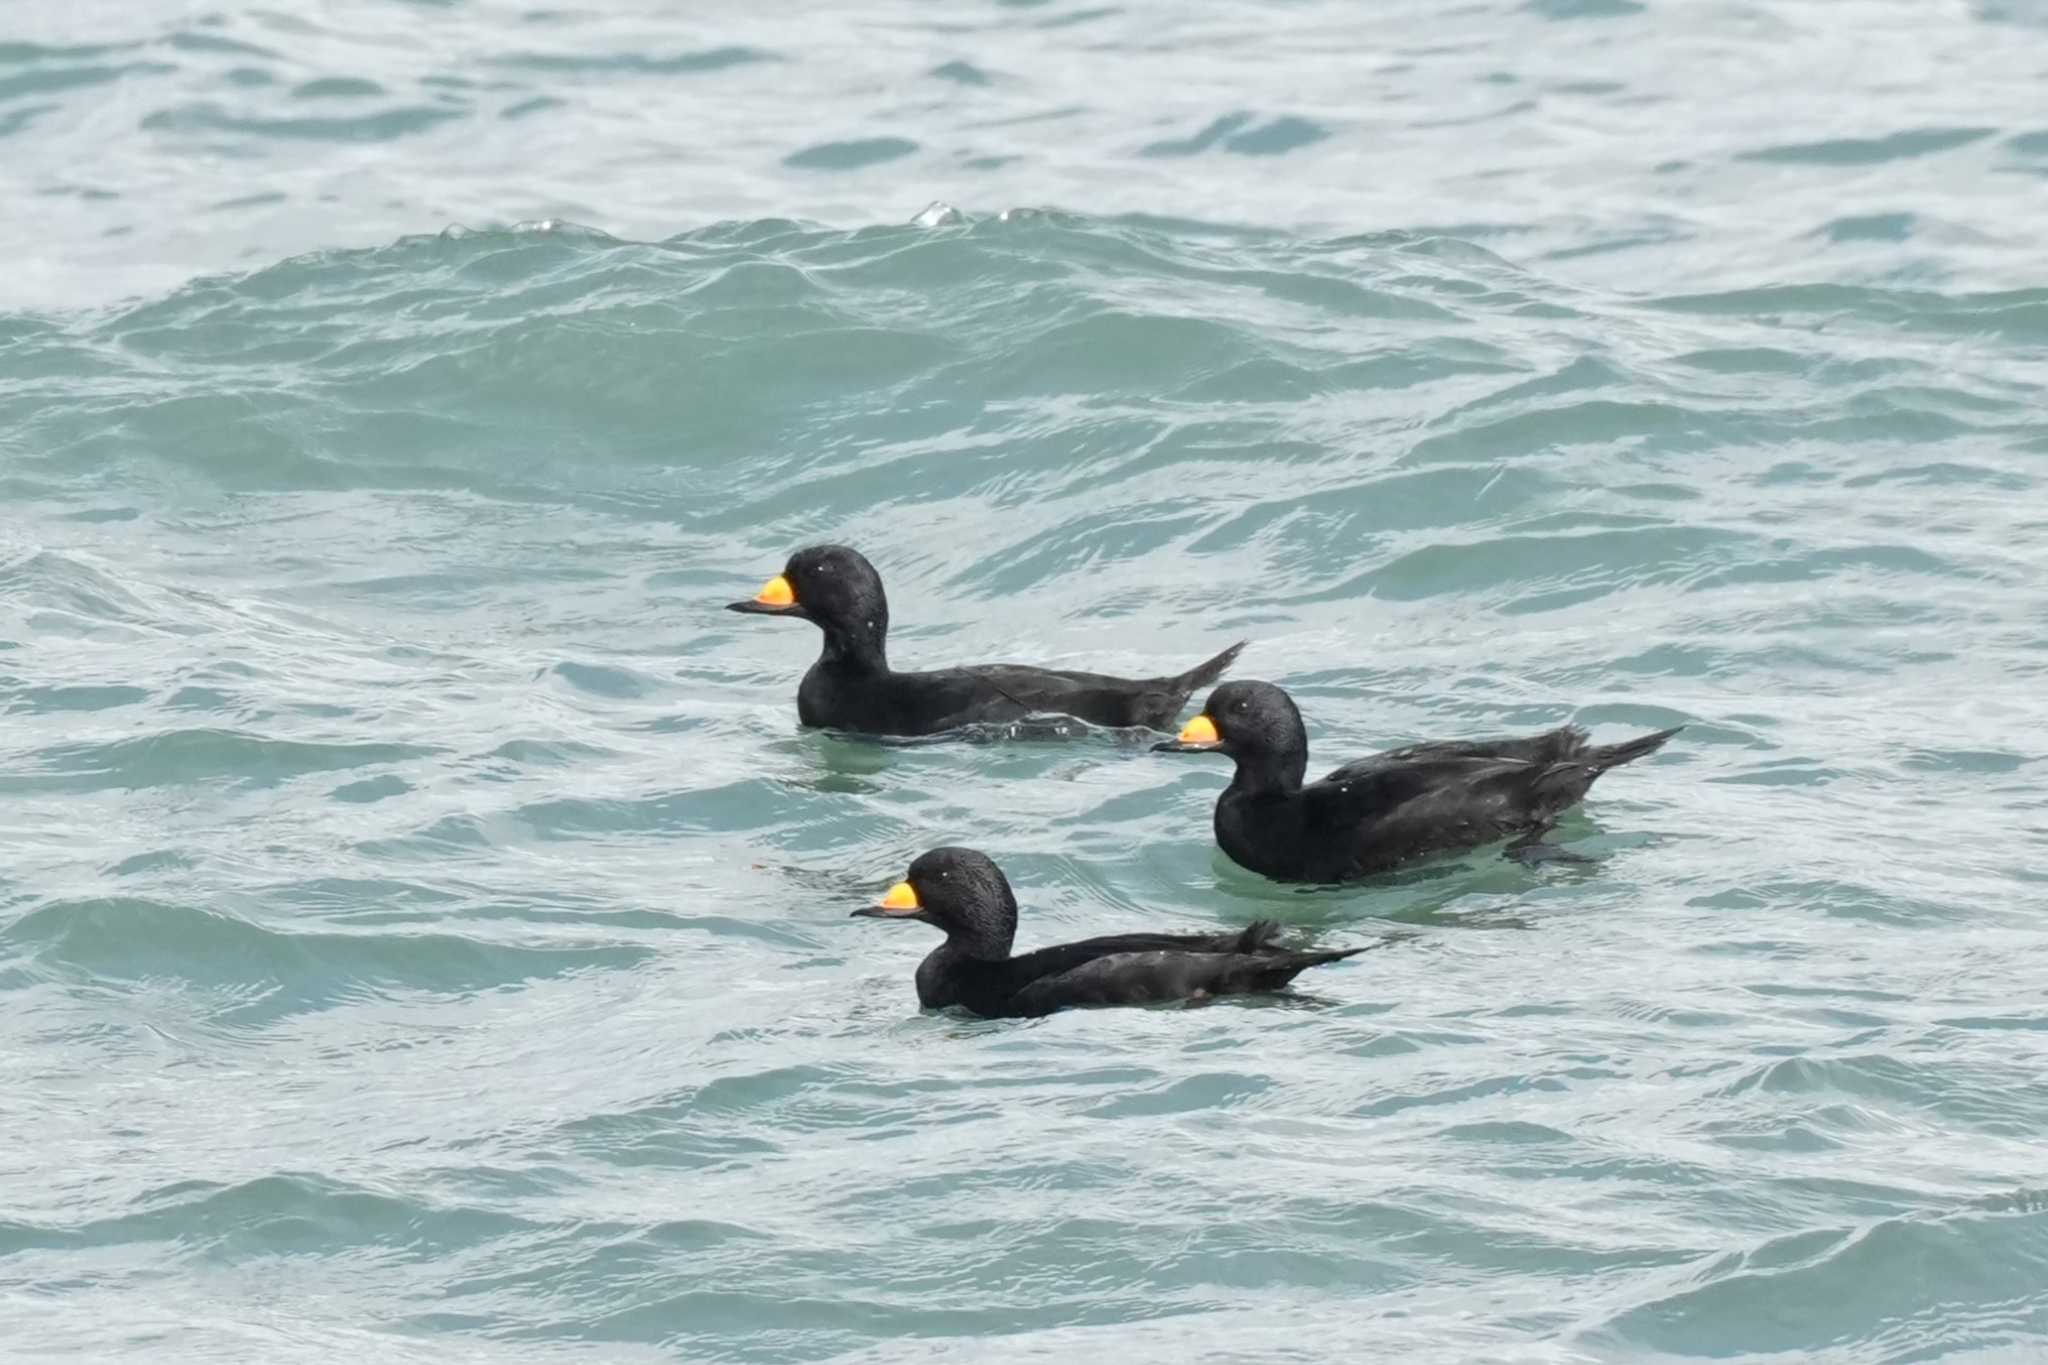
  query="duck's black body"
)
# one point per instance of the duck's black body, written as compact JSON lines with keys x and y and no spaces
{"x":1376,"y":813}
{"x":852,"y":687}
{"x":965,"y":894}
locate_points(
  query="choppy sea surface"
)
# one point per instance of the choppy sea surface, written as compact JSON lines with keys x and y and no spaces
{"x":424,"y":927}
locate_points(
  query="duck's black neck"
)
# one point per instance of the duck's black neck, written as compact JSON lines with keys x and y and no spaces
{"x":856,"y":647}
{"x":948,"y":970}
{"x":980,"y":944}
{"x":984,"y":928}
{"x":1271,"y":772}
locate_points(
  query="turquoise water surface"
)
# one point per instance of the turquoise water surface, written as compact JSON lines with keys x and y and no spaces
{"x":424,"y":927}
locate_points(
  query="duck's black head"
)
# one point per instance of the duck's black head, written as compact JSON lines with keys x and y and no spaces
{"x":961,"y":892}
{"x":838,"y":589}
{"x":1255,"y":723}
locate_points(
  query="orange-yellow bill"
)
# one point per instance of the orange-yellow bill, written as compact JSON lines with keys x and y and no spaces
{"x":776,"y":592}
{"x":1200,"y":730}
{"x":899,"y":900}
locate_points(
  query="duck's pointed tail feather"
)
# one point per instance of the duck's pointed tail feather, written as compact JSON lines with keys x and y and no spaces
{"x":1202,"y":674}
{"x":1614,"y":755}
{"x":1282,"y":968}
{"x":1261,"y":935}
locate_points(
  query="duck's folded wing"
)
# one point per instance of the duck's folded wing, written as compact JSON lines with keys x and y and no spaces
{"x":1552,"y":746}
{"x":998,"y":693}
{"x":1003,"y":692}
{"x":947,"y":698}
{"x":1155,"y":977}
{"x":1433,"y":805}
{"x":1372,"y":789}
{"x":1094,"y":697}
{"x":1257,"y":937}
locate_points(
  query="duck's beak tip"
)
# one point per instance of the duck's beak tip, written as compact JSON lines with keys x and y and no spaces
{"x":776,"y":598}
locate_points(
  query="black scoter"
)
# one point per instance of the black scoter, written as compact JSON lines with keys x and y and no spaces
{"x":966,"y":895}
{"x":852,"y":687}
{"x":1375,"y":813}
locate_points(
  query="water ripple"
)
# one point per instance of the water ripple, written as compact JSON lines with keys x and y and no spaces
{"x":424,"y":930}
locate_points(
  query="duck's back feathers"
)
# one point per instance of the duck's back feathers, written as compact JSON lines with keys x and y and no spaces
{"x":1259,"y":936}
{"x":1552,"y":746}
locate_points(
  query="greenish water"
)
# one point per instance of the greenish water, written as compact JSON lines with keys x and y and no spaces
{"x":424,"y":929}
